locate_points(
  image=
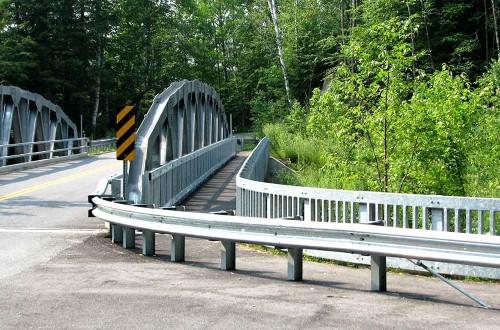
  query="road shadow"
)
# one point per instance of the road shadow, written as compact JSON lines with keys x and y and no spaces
{"x":27,"y":174}
{"x":14,"y":206}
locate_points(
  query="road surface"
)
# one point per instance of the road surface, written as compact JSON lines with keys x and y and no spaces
{"x":59,"y":270}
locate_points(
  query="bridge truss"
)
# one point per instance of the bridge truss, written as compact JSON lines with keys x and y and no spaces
{"x":32,"y":128}
{"x":186,"y":117}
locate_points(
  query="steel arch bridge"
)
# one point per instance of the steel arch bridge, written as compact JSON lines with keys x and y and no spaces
{"x":26,"y":119}
{"x":184,"y":118}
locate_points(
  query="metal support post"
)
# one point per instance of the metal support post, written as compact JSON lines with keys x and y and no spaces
{"x":116,"y":233}
{"x":230,"y":124}
{"x":379,"y":273}
{"x":437,"y":219}
{"x":295,"y":264}
{"x":125,"y":180}
{"x":116,"y":187}
{"x":366,"y":213}
{"x":128,"y":238}
{"x":378,"y":263}
{"x":307,"y":210}
{"x":177,"y":248}
{"x":148,"y":242}
{"x":228,"y":255}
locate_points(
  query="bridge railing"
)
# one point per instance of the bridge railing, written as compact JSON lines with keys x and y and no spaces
{"x":171,"y":183}
{"x":29,"y":151}
{"x":100,"y":146}
{"x":424,"y":212}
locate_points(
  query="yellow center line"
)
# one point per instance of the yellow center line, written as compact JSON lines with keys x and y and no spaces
{"x":58,"y":181}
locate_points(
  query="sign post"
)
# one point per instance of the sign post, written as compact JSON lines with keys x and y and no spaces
{"x":125,"y":140}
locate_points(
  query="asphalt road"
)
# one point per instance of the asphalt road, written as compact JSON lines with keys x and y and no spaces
{"x":43,"y":210}
{"x":59,"y":270}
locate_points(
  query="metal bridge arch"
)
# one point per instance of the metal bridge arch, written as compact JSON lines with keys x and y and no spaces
{"x":27,"y":117}
{"x":187,"y":116}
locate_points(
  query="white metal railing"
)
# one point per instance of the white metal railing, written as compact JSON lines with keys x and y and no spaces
{"x":43,"y":149}
{"x":423,"y":212}
{"x":99,"y":146}
{"x":174,"y":181}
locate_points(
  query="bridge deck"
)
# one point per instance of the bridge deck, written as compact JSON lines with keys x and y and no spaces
{"x":219,"y":192}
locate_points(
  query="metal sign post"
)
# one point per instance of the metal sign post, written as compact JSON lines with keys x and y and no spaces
{"x":125,"y":179}
{"x":125,"y":141}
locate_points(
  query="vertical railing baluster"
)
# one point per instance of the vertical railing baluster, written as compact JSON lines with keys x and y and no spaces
{"x":492,"y":223}
{"x":415,"y":217}
{"x":480,"y":222}
{"x":386,"y":214}
{"x":446,"y":222}
{"x":457,"y":220}
{"x":405,"y":216}
{"x":468,"y":220}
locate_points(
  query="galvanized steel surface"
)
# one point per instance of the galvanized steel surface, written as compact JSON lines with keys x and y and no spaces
{"x":186,"y":117}
{"x":350,"y":238}
{"x":423,"y":212}
{"x":176,"y":180}
{"x":38,"y":128}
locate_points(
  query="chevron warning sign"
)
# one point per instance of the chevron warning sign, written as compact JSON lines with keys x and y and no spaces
{"x":125,"y":133}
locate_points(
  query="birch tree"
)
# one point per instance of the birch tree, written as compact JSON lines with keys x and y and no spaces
{"x":279,"y":44}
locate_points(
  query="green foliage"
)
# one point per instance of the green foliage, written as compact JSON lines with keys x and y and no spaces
{"x":293,"y":147}
{"x":390,"y":119}
{"x":483,"y":170}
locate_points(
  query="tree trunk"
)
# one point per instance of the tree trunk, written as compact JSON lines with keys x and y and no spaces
{"x":97,"y":87}
{"x":274,"y":16}
{"x":493,"y":9}
{"x":296,"y":22}
{"x":486,"y":41}
{"x":426,"y":24}
{"x":412,"y":36}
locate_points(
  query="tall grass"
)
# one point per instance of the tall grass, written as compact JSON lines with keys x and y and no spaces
{"x":293,"y":148}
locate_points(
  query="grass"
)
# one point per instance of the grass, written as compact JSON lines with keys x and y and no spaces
{"x":279,"y":252}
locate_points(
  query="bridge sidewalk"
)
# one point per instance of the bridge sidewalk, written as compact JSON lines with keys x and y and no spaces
{"x":219,"y":192}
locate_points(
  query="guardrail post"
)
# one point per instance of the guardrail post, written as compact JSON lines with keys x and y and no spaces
{"x":437,"y":219}
{"x":128,"y":238}
{"x":228,"y":255}
{"x":378,"y":263}
{"x":295,"y":264}
{"x":116,"y":233}
{"x":148,"y":242}
{"x":379,"y":273}
{"x":177,"y":247}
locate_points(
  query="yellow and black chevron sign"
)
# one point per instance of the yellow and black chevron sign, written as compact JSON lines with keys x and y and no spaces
{"x":125,"y":133}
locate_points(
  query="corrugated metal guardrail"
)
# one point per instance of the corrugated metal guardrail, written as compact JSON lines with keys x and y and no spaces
{"x":295,"y":236}
{"x":472,"y":216}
